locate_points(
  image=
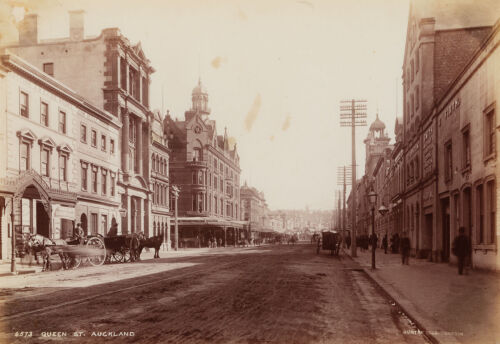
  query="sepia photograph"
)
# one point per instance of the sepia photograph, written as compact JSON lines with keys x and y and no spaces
{"x":237,"y":171}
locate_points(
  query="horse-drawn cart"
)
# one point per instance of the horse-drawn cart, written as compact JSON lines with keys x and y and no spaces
{"x":122,"y":248}
{"x":331,"y":240}
{"x":71,"y":253}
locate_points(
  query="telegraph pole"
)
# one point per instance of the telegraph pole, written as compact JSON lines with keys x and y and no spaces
{"x":353,"y":114}
{"x":343,"y":180}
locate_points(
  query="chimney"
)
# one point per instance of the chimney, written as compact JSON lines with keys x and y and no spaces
{"x":76,"y":27}
{"x":28,"y":30}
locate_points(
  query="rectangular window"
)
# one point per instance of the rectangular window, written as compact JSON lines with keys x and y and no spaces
{"x":44,"y":163}
{"x":466,"y":148}
{"x":112,"y":181}
{"x":93,"y":138}
{"x":94,"y":180}
{"x":490,"y":189}
{"x":62,"y":168}
{"x":480,"y":213}
{"x":48,"y":68}
{"x":62,"y":122}
{"x":44,"y":114}
{"x":93,"y":223}
{"x":489,"y":133}
{"x":83,"y":133}
{"x":145,"y":95}
{"x":215,"y":182}
{"x":84,"y":177}
{"x":104,"y":180}
{"x":103,"y":143}
{"x":112,"y":146}
{"x":221,"y":207}
{"x":123,"y":74}
{"x":24,"y":105}
{"x":24,"y":157}
{"x":448,"y":162}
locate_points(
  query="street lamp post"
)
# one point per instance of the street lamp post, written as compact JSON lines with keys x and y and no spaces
{"x":13,"y":268}
{"x":372,"y":197}
{"x":175,"y":192}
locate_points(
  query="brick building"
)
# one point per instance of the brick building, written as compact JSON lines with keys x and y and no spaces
{"x":114,"y":75}
{"x":442,"y":36}
{"x":44,"y":149}
{"x":206,"y":168}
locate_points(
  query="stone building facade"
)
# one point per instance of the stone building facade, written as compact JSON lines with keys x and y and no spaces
{"x":253,"y":209}
{"x":206,"y":168}
{"x":114,"y":75}
{"x":439,"y":44}
{"x":43,"y":152}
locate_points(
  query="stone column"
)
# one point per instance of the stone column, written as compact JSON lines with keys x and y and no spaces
{"x":138,"y":146}
{"x":141,"y":216}
{"x":125,"y":142}
{"x":129,"y":215}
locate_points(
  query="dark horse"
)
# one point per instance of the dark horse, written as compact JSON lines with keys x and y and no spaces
{"x":152,"y":242}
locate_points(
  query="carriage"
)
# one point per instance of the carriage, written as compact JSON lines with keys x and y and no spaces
{"x":331,"y":240}
{"x":122,"y":248}
{"x":72,"y":253}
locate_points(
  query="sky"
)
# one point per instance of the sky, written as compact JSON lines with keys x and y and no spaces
{"x":275,"y":72}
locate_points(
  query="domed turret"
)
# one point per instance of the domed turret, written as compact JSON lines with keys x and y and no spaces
{"x":377,"y":125}
{"x":199,"y":96}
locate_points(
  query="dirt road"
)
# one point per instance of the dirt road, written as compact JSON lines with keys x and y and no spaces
{"x":272,"y":294}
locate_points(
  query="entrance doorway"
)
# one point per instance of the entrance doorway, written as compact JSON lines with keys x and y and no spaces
{"x":42,"y":220}
{"x":84,"y":223}
{"x":445,"y":223}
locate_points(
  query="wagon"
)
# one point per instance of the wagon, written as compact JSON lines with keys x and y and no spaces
{"x":91,"y":249}
{"x":331,"y":240}
{"x":122,"y":248}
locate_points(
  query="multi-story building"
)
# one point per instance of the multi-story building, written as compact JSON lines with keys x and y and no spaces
{"x":253,"y":209}
{"x":206,"y":168}
{"x":114,"y":75}
{"x":44,"y":148}
{"x":442,"y":36}
{"x":159,"y":182}
{"x":467,"y":124}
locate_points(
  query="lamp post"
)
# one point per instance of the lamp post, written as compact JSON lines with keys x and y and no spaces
{"x":175,"y":192}
{"x":13,"y":269}
{"x":372,"y":198}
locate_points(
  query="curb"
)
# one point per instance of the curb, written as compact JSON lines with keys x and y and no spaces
{"x":387,"y":294}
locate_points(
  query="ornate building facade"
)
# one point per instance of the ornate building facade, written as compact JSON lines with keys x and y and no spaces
{"x":53,"y":173}
{"x":114,"y":75}
{"x":206,"y":168}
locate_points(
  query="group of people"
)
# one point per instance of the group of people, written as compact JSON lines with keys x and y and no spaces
{"x":461,"y":246}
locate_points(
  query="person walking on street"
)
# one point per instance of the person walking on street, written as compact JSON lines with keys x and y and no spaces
{"x":384,"y":243}
{"x":405,"y":249}
{"x":461,"y":249}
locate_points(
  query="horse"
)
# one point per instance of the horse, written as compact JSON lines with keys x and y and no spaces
{"x":152,"y":242}
{"x":37,"y":243}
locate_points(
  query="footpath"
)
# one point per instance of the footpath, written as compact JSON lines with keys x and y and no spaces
{"x":452,"y":308}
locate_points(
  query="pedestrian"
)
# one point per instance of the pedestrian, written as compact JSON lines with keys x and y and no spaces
{"x":79,"y":233}
{"x":461,"y":249}
{"x":348,"y":241}
{"x":405,"y":249}
{"x":318,"y":245}
{"x":384,"y":243}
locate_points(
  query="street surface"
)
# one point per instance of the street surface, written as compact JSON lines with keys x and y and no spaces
{"x":267,"y":294}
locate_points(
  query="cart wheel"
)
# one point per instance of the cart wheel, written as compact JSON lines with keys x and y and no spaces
{"x":99,"y":256}
{"x":72,"y":262}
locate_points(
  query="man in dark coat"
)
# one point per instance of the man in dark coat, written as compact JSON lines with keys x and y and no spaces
{"x":384,"y":243}
{"x":405,"y":249}
{"x":461,"y":249}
